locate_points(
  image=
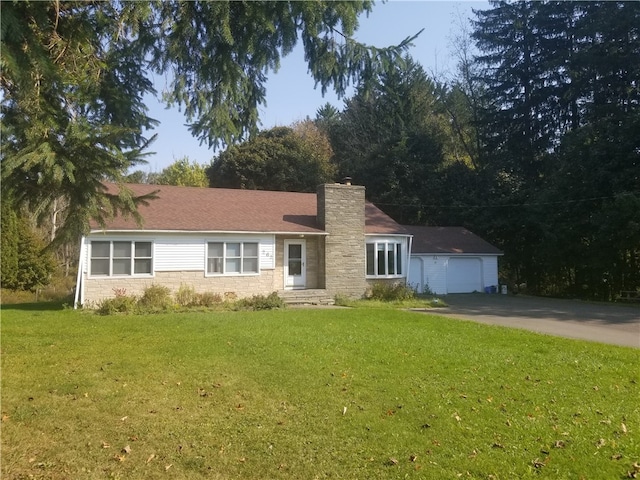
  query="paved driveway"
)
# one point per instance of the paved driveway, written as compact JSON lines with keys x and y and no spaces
{"x":613,"y":324}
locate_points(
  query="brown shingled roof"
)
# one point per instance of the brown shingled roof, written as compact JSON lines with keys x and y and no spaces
{"x":448,"y":240}
{"x":231,"y":210}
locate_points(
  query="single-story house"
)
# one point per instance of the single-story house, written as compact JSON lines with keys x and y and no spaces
{"x":451,"y":260}
{"x":244,"y":242}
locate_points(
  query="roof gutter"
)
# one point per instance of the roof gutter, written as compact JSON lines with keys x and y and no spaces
{"x":206,"y":232}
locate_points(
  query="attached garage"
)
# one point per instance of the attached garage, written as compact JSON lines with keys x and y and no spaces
{"x":451,"y":260}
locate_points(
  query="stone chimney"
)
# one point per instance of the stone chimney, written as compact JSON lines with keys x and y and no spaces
{"x":341,"y":215}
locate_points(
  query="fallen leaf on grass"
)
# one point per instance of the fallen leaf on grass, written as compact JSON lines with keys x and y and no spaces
{"x":393,"y":461}
{"x":119,"y":458}
{"x":105,"y":445}
{"x":126,"y":449}
{"x":623,"y":427}
{"x":601,"y":443}
{"x":413,"y":458}
{"x":151,"y":457}
{"x":5,"y":418}
{"x":167,"y":467}
{"x":559,"y":444}
{"x":537,"y":463}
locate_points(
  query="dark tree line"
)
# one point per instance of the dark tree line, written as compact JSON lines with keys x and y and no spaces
{"x":536,"y":144}
{"x":561,"y":137}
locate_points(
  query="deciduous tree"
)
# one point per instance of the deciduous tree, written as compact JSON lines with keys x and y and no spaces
{"x":294,"y":159}
{"x":183,"y":173}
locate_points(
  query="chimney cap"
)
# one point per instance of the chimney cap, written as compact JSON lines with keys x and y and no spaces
{"x":346,"y":180}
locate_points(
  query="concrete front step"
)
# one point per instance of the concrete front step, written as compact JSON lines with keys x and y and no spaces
{"x":309,"y":297}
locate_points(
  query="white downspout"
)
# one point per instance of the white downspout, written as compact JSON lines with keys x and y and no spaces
{"x":410,"y":243}
{"x":79,"y":297}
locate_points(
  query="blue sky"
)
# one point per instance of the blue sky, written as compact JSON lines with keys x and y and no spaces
{"x":291,"y":94}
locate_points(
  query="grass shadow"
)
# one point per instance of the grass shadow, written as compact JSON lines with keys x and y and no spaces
{"x":36,"y":306}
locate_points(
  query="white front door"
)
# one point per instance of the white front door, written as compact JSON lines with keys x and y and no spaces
{"x":295,"y":270}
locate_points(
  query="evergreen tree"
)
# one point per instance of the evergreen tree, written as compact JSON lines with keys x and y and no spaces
{"x":75,"y":73}
{"x":26,"y":264}
{"x":35,"y":264}
{"x":562,"y":149}
{"x":9,"y":244}
{"x":392,"y":139}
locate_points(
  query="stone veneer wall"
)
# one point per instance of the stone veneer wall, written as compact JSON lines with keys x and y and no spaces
{"x":341,"y":215}
{"x":97,"y":289}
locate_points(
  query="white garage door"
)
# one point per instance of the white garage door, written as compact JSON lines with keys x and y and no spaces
{"x":464,"y":275}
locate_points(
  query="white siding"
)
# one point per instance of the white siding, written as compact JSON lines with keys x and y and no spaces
{"x":187,"y":252}
{"x":435,"y":272}
{"x":176,"y":254}
{"x":184,"y":253}
{"x":416,"y":275}
{"x":490,"y":270}
{"x":267,"y":253}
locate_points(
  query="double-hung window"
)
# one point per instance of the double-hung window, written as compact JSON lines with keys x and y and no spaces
{"x":120,"y":258}
{"x":384,"y":259}
{"x":232,"y":258}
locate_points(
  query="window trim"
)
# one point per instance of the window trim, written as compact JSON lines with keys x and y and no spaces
{"x":242,"y":258}
{"x":381,"y":250}
{"x":111,"y":258}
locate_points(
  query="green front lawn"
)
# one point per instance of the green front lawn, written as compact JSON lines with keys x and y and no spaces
{"x":303,"y":394}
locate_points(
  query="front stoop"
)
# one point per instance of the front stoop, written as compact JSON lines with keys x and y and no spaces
{"x":306,"y":297}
